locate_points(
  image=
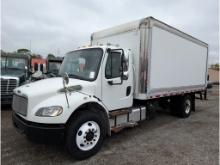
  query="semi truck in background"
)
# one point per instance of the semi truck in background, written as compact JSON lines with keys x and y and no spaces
{"x":114,"y":84}
{"x":45,"y":68}
{"x":53,"y":66}
{"x":18,"y":68}
{"x":15,"y":70}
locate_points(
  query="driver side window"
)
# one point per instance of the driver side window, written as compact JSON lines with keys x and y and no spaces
{"x":113,"y":64}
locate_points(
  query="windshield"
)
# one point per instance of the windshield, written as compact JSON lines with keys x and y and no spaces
{"x":13,"y":63}
{"x":3,"y":60}
{"x":82,"y":64}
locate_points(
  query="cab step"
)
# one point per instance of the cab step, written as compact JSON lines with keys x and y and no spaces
{"x":124,"y":125}
{"x":124,"y":118}
{"x":119,"y":112}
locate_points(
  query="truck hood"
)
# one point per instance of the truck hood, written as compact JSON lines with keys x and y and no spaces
{"x":51,"y":86}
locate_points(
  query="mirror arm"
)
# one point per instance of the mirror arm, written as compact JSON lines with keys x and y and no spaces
{"x":65,"y":82}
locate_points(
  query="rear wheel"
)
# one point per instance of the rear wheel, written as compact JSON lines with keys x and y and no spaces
{"x":185,"y":106}
{"x":85,"y":135}
{"x":174,"y":105}
{"x":181,"y":106}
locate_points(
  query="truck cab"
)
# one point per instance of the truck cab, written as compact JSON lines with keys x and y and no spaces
{"x":53,"y":66}
{"x":15,"y":69}
{"x":97,"y":82}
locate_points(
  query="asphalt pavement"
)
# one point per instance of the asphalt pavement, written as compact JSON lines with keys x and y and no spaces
{"x":164,"y":140}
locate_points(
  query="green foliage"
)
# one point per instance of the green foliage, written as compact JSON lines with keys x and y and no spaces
{"x":23,"y":50}
{"x":3,"y":52}
{"x":215,"y":66}
{"x":36,"y":56}
{"x":50,"y":56}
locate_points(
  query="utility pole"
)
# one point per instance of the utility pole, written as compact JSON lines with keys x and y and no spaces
{"x":30,"y":46}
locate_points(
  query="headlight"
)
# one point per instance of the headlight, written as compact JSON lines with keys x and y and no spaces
{"x":49,"y":111}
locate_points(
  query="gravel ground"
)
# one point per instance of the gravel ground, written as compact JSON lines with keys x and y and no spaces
{"x":163,"y":140}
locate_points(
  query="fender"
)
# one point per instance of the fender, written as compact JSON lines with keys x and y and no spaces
{"x":95,"y":106}
{"x":76,"y":100}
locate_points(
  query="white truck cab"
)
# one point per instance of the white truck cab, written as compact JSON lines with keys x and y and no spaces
{"x":104,"y":88}
{"x":98,"y":79}
{"x":89,"y":81}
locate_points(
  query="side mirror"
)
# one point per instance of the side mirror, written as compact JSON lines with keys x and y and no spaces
{"x":122,"y":65}
{"x":26,"y":72}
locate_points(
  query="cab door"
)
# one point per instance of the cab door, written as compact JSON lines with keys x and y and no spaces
{"x":117,"y":90}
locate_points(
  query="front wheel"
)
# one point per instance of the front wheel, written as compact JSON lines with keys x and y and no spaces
{"x":85,"y":135}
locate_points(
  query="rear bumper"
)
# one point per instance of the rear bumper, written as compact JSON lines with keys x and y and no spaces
{"x":36,"y":129}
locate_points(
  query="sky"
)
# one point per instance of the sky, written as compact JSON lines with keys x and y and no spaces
{"x":59,"y":26}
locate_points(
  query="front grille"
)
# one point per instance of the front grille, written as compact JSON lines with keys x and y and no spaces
{"x":20,"y":104}
{"x":8,"y":85}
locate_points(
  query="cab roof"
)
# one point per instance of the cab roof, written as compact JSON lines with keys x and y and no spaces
{"x":104,"y":47}
{"x":17,"y":55}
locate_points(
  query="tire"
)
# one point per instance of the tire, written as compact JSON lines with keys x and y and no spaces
{"x":85,"y":134}
{"x":185,"y":107}
{"x":181,"y":106}
{"x":164,"y":103}
{"x":174,"y":105}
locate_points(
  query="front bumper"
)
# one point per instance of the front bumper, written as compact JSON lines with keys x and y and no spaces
{"x":36,"y":129}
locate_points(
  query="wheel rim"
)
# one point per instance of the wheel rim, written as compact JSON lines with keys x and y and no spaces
{"x":188,"y":106}
{"x":88,"y":135}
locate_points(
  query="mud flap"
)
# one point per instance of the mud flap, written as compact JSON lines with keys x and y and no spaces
{"x":150,"y":110}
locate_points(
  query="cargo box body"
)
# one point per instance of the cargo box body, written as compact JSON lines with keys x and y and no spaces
{"x":166,"y":61}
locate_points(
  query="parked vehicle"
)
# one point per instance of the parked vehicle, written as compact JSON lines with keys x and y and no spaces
{"x":38,"y":64}
{"x":39,"y":68}
{"x":15,"y":70}
{"x":114,"y":83}
{"x":53,"y":66}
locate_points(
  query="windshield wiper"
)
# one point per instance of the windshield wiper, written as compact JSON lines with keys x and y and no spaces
{"x":75,"y":76}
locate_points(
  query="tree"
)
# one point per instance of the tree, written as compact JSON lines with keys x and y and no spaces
{"x":3,"y":52}
{"x":36,"y":56}
{"x":50,"y":56}
{"x":215,"y":66}
{"x":23,"y":50}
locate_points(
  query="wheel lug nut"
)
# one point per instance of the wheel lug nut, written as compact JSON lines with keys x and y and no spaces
{"x":90,"y":142}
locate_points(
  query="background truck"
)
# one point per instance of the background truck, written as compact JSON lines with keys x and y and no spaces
{"x":43,"y":68}
{"x":53,"y":66}
{"x":15,"y":70}
{"x":114,"y":84}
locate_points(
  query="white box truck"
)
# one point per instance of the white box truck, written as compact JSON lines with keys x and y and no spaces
{"x":113,"y":84}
